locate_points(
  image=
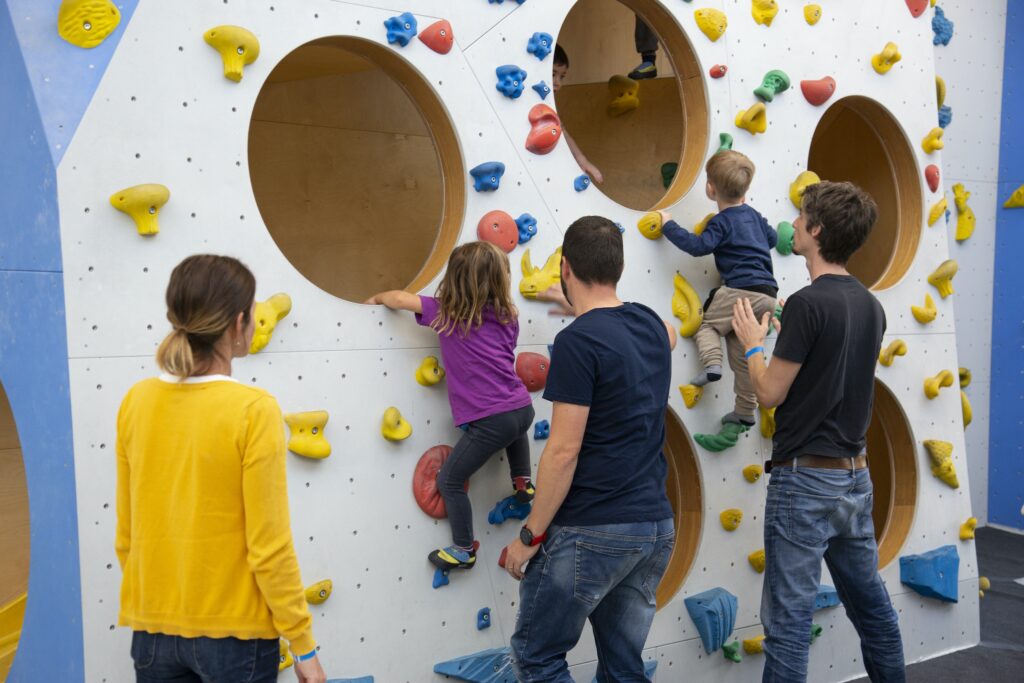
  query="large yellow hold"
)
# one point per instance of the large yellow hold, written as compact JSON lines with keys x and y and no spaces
{"x":700,"y":226}
{"x":764,"y":11}
{"x":649,"y":225}
{"x":238,"y":47}
{"x":394,"y":427}
{"x":307,"y":434}
{"x":731,"y":518}
{"x":925,"y":314}
{"x":753,"y":120}
{"x":429,"y":372}
{"x":965,"y":408}
{"x":797,"y":187}
{"x":268,"y":313}
{"x":753,"y":646}
{"x":767,"y":421}
{"x":752,"y":473}
{"x":536,"y":280}
{"x":757,"y":560}
{"x":686,"y":306}
{"x":889,"y":353}
{"x":691,"y":394}
{"x":318,"y":593}
{"x":87,"y":23}
{"x":965,"y":220}
{"x":932,"y":141}
{"x":711,"y":22}
{"x":967,"y":529}
{"x":286,"y":659}
{"x":941,"y":454}
{"x":885,"y":59}
{"x":1015,"y":200}
{"x":942,"y":277}
{"x":932,"y":385}
{"x":142,"y":203}
{"x":812,"y":14}
{"x":937,"y":211}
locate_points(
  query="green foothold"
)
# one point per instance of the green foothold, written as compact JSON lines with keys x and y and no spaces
{"x":668,"y":172}
{"x":784,"y":245}
{"x":775,"y":82}
{"x":726,"y":437}
{"x":732,"y":651}
{"x":816,"y":631}
{"x":778,"y":312}
{"x":724,"y":142}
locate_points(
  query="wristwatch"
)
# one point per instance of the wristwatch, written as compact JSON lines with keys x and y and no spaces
{"x":528,"y":539}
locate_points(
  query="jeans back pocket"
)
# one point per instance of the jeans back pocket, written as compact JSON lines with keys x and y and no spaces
{"x":600,"y":567}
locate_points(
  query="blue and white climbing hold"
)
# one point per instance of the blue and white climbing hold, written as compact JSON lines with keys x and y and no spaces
{"x":619,"y":226}
{"x":483,"y":618}
{"x":581,"y":182}
{"x":527,"y":225}
{"x":540,"y":45}
{"x":440,"y":577}
{"x":511,"y":80}
{"x":542,"y":89}
{"x":941,"y":27}
{"x":650,"y":666}
{"x":933,"y":574}
{"x":541,"y":430}
{"x":401,"y":29}
{"x":508,"y":508}
{"x":826,"y":597}
{"x":488,"y":666}
{"x":714,"y":614}
{"x":945,"y":115}
{"x":487,"y":176}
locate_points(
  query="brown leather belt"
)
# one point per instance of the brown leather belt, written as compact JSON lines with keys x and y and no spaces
{"x":829,"y":463}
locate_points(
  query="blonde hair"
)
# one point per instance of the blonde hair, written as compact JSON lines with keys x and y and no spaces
{"x":204,"y":297}
{"x":730,"y":173}
{"x":477,"y":276}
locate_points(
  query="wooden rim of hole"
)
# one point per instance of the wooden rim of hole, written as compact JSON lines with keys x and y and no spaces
{"x":685,"y":493}
{"x":14,"y":516}
{"x":892,"y":459}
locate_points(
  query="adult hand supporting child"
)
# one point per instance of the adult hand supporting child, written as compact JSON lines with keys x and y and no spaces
{"x":747,"y":328}
{"x":554,"y":294}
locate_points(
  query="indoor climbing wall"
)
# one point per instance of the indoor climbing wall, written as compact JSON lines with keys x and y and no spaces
{"x":338,"y":149}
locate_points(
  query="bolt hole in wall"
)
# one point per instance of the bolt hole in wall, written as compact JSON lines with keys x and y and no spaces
{"x":350,"y":156}
{"x":670,"y":125}
{"x":858,"y":140}
{"x":14,"y":536}
{"x":893,"y":467}
{"x":687,"y":498}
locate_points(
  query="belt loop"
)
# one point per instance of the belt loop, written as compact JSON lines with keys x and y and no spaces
{"x":853,"y":465}
{"x":794,"y":462}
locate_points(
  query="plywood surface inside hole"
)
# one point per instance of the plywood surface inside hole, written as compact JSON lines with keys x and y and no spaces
{"x":686,"y":496}
{"x":893,"y":468}
{"x":14,"y":533}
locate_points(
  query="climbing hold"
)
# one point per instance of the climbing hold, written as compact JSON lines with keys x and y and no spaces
{"x":483,"y":618}
{"x":238,"y":47}
{"x":816,"y":631}
{"x":500,"y":229}
{"x":826,"y":597}
{"x":885,"y":59}
{"x":536,"y":279}
{"x":775,"y":82}
{"x":726,"y":437}
{"x":797,"y":187}
{"x":764,"y":11}
{"x":438,"y":37}
{"x":318,"y":593}
{"x":668,"y":172}
{"x":889,"y":353}
{"x":699,"y":227}
{"x":965,"y":377}
{"x":87,"y":23}
{"x":945,"y":115}
{"x":937,"y":211}
{"x":581,"y":182}
{"x":931,"y":176}
{"x":711,"y":22}
{"x":965,"y":220}
{"x":940,"y":91}
{"x":818,"y":92}
{"x":718,"y":70}
{"x":942,"y":277}
{"x":757,"y":560}
{"x":142,"y":203}
{"x":440,"y":578}
{"x":545,"y":129}
{"x":286,"y":659}
{"x":429,"y":372}
{"x":967,"y":529}
{"x":917,"y":7}
{"x":394,"y":427}
{"x":487,"y":176}
{"x":754,"y":646}
{"x":267,"y":314}
{"x":532,"y":369}
{"x":767,"y":421}
{"x":941,"y":27}
{"x":731,"y":518}
{"x":691,"y":394}
{"x":401,"y":28}
{"x":731,"y":651}
{"x":623,"y":95}
{"x":933,"y":384}
{"x":424,"y":481}
{"x":714,"y":614}
{"x":925,"y":314}
{"x":983,"y":585}
{"x":965,"y":408}
{"x":784,"y":243}
{"x":510,"y":80}
{"x":753,"y":120}
{"x":724,"y":142}
{"x":650,"y":225}
{"x":1016,"y":199}
{"x":488,"y":666}
{"x":686,"y":306}
{"x":812,"y":14}
{"x":932,"y":141}
{"x":541,"y":430}
{"x":933,"y":574}
{"x":540,"y":45}
{"x":941,"y":454}
{"x":307,"y":434}
{"x":526,"y":226}
{"x":542,"y":89}
{"x":752,"y":473}
{"x":508,"y":508}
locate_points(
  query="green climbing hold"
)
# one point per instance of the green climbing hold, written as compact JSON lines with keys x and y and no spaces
{"x":724,"y":142}
{"x":668,"y":172}
{"x":726,"y":437}
{"x":785,"y":243}
{"x":732,"y":651}
{"x":816,"y":631}
{"x":775,"y":82}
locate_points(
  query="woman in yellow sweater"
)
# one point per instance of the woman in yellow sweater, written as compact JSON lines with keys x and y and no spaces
{"x":203,"y":534}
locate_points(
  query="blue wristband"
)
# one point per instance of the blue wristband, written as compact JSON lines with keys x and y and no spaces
{"x":754,"y":350}
{"x":308,"y":655}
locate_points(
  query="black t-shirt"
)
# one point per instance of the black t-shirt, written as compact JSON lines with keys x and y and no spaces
{"x":834,"y":329}
{"x":618,"y":362}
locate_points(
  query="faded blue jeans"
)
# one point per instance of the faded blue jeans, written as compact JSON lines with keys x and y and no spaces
{"x":160,"y":658}
{"x":607,"y":574}
{"x":813,"y":513}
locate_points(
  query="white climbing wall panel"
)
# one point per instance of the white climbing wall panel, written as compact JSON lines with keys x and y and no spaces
{"x":164,"y":113}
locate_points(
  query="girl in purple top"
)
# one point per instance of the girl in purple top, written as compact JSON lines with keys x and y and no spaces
{"x":478,"y":327}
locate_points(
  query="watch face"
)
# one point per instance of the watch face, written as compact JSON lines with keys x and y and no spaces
{"x":526,"y":536}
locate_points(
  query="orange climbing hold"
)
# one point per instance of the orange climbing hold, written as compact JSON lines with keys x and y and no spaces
{"x":545,"y":131}
{"x":532,"y":368}
{"x":438,"y":37}
{"x":424,"y":481}
{"x":500,"y":229}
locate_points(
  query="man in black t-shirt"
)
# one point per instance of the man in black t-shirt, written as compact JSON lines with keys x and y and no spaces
{"x":600,"y":533}
{"x":820,"y":497}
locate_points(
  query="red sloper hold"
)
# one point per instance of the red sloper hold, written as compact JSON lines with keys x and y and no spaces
{"x":424,"y":481}
{"x":532,"y":368}
{"x":718,"y":70}
{"x":931,"y":175}
{"x":438,"y":36}
{"x":917,"y":7}
{"x":545,"y":129}
{"x":500,"y":229}
{"x":817,"y":92}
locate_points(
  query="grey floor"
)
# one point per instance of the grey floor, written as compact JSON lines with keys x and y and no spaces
{"x":1000,"y":656}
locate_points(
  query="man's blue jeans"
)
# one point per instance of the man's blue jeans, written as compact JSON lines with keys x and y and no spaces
{"x":161,"y":658}
{"x":608,"y":574}
{"x":813,"y":513}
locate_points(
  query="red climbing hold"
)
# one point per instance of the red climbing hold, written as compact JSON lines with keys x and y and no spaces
{"x":931,"y":175}
{"x":817,"y":92}
{"x":500,"y":229}
{"x":503,"y":557}
{"x":438,"y":36}
{"x":532,"y":368}
{"x":917,"y":7}
{"x":424,"y":481}
{"x":545,"y":129}
{"x":718,"y":70}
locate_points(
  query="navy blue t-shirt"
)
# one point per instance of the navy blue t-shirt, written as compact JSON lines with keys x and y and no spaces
{"x":741,"y":240}
{"x":618,"y":362}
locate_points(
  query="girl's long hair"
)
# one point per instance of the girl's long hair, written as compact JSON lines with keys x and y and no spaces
{"x":478,"y":276}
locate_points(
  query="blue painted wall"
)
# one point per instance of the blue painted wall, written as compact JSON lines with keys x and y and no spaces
{"x":1006,"y":431}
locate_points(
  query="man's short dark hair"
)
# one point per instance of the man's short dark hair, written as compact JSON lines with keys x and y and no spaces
{"x":593,"y":247}
{"x":845,"y":213}
{"x":560,"y":58}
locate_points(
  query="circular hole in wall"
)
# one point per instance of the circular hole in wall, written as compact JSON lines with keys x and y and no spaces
{"x":356,"y":168}
{"x":670,"y":125}
{"x":858,"y":140}
{"x":686,"y":496}
{"x":14,"y":535}
{"x":893,"y":468}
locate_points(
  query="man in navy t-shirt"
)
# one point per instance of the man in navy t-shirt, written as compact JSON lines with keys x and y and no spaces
{"x":600,"y":534}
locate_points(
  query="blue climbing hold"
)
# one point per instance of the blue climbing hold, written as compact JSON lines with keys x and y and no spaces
{"x":933,"y":574}
{"x":510,"y":80}
{"x":540,"y":45}
{"x":619,"y":226}
{"x":488,"y":666}
{"x":483,"y":618}
{"x":440,"y":577}
{"x":945,"y":115}
{"x":650,"y":666}
{"x":508,"y":508}
{"x":826,"y":597}
{"x":542,"y":430}
{"x":401,"y":29}
{"x":551,"y":349}
{"x":714,"y":614}
{"x":542,"y":89}
{"x":487,"y":176}
{"x":941,"y":27}
{"x":527,"y":225}
{"x":581,"y":182}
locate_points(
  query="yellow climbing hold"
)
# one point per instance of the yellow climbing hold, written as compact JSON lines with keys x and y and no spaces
{"x":965,"y":377}
{"x":268,"y":313}
{"x":983,"y":585}
{"x":686,"y":306}
{"x":307,"y":434}
{"x":884,"y":60}
{"x":965,"y":408}
{"x":753,"y":646}
{"x":925,"y":314}
{"x":142,"y":203}
{"x":429,"y":372}
{"x":87,"y":23}
{"x":691,"y":394}
{"x":764,"y":11}
{"x":650,"y":225}
{"x":941,"y":454}
{"x":731,"y":518}
{"x":967,"y":529}
{"x":812,"y":14}
{"x":753,"y":120}
{"x":940,"y":91}
{"x":1016,"y":199}
{"x":286,"y":657}
{"x":699,"y":228}
{"x":711,"y":22}
{"x":932,"y":385}
{"x":797,"y":187}
{"x":319,"y":592}
{"x":394,"y":427}
{"x":756,"y":560}
{"x":932,"y":141}
{"x":752,"y":473}
{"x":537,"y":280}
{"x":965,"y":220}
{"x":767,"y":421}
{"x":942,"y":277}
{"x":623,"y":95}
{"x":937,"y":211}
{"x":889,"y":353}
{"x":238,"y":48}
